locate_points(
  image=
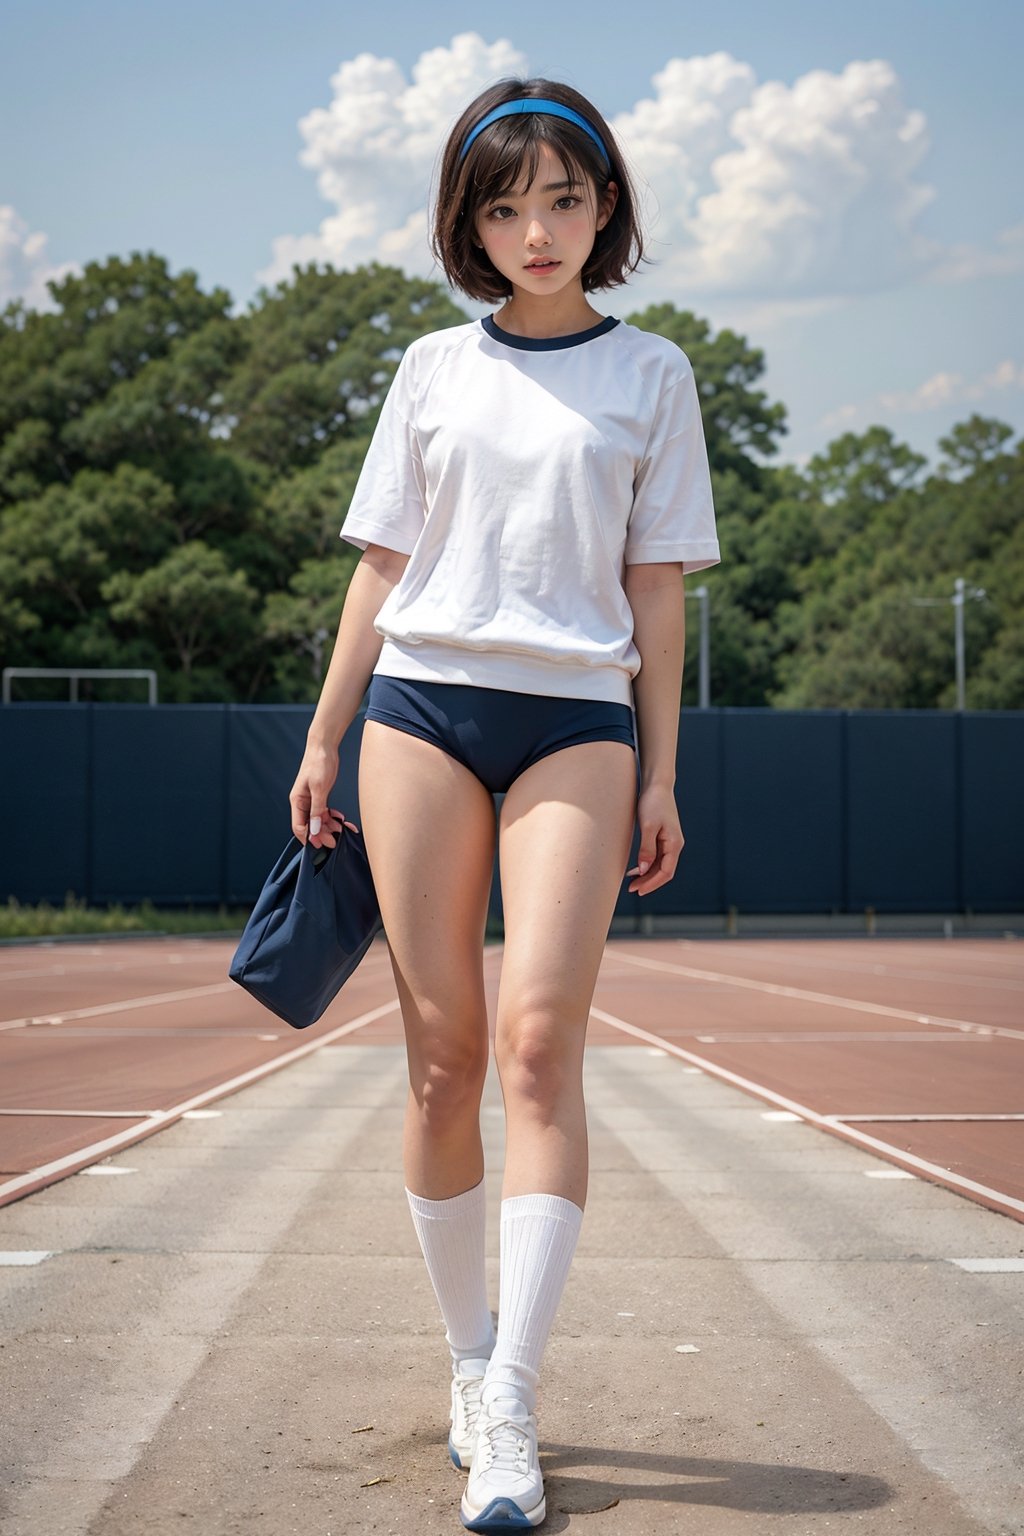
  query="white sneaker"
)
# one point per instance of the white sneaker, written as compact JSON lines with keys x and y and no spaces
{"x":505,"y":1491}
{"x":467,"y":1379}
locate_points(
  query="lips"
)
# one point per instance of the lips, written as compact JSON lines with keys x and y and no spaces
{"x":542,"y":266}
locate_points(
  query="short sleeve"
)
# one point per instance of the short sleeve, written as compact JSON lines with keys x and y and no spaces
{"x":387,"y":505}
{"x":673,"y":514}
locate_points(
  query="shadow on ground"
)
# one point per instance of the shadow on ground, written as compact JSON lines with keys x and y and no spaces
{"x":751,"y":1486}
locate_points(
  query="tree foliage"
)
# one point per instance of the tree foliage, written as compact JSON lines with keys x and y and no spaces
{"x":173,"y":479}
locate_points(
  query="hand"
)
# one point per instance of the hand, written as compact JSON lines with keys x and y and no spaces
{"x":661,"y":839}
{"x":312,"y":819}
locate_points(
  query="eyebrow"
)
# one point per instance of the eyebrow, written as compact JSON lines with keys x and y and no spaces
{"x":552,"y":186}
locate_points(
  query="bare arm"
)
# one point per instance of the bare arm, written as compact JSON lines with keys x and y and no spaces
{"x":657,"y":599}
{"x":355,"y":655}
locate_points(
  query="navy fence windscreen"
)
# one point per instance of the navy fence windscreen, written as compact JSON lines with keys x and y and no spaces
{"x":902,"y":794}
{"x":803,"y":811}
{"x":782,"y":810}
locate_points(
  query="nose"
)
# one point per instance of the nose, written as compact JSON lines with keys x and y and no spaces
{"x":537,"y":234}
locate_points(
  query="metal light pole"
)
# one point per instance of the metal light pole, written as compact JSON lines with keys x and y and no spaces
{"x":961,"y":592}
{"x":958,"y":641}
{"x":704,"y":658}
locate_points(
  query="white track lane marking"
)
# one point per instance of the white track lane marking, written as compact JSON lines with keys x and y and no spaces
{"x":990,"y":1266}
{"x":216,"y":989}
{"x":912,"y":1119}
{"x":59,"y":1031}
{"x":59,"y":970}
{"x":88,"y":1114}
{"x":104,"y":966}
{"x":909,"y":956}
{"x":827,"y":999}
{"x":872,"y":1143}
{"x":842,"y":1037}
{"x":874,"y":968}
{"x":159,"y":1118}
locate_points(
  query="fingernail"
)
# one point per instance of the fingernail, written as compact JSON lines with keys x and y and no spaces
{"x":644,"y":866}
{"x":314,"y":826}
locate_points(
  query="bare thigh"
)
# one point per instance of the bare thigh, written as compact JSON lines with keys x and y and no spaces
{"x":429,"y":827}
{"x":565,"y":833}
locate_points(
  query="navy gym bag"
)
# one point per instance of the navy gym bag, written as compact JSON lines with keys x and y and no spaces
{"x":313,"y":922}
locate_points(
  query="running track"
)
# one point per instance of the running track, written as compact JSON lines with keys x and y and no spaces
{"x":913,"y":1049}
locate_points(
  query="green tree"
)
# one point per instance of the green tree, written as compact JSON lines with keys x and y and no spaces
{"x":58,"y":548}
{"x":110,"y":324}
{"x":871,"y":624}
{"x":301,"y":624}
{"x":192,"y":606}
{"x":738,"y":420}
{"x":738,"y":423}
{"x":995,"y":680}
{"x":320,"y":351}
{"x":140,"y":420}
{"x":978,"y":440}
{"x":173,"y":479}
{"x":857,"y":476}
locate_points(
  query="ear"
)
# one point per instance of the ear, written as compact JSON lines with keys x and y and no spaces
{"x":609,"y":198}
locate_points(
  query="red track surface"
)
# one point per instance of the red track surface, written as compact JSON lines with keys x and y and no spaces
{"x":913,"y":1049}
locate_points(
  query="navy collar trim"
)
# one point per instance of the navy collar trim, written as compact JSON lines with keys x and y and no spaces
{"x":546,"y":343}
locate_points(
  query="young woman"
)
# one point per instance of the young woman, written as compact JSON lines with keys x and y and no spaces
{"x":536,"y":487}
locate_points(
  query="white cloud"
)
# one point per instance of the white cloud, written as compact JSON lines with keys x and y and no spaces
{"x":963,"y":262}
{"x":806,"y":189}
{"x":24,"y":264}
{"x":374,"y":150}
{"x":940,"y":391}
{"x":844,"y":418}
{"x":806,"y":194}
{"x":673,"y":137}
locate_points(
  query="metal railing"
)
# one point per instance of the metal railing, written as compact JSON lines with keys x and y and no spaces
{"x":74,"y":674}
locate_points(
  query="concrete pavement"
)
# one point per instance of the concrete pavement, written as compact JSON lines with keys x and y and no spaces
{"x":239,"y":1334}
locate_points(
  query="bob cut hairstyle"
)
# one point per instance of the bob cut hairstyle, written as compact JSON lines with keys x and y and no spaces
{"x":495,"y":164}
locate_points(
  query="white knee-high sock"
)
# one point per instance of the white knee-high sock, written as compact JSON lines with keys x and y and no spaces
{"x":538,"y":1240}
{"x":451,"y":1234}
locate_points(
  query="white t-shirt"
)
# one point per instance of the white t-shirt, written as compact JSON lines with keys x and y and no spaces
{"x":521,"y":477}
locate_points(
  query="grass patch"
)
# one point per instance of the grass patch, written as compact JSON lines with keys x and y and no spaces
{"x":27,"y":921}
{"x":21,"y":920}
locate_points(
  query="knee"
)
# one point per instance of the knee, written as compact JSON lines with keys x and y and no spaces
{"x":535,"y":1064}
{"x":449,"y":1084}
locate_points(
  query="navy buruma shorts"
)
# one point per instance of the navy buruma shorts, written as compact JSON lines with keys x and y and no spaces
{"x":494,"y":732}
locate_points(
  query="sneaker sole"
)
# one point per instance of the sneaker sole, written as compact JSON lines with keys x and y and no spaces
{"x":503,"y":1515}
{"x":463,"y":1460}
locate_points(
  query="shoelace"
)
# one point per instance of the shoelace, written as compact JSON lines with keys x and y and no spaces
{"x":468,"y":1390}
{"x":508,"y":1445}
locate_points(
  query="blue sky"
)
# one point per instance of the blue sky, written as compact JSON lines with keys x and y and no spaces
{"x":840,"y":185}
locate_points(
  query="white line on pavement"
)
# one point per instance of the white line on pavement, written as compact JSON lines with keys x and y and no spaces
{"x":850,"y":1132}
{"x":96,"y":1149}
{"x":855,"y":1004}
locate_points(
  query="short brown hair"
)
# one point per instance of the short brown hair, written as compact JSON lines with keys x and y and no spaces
{"x":492,"y":167}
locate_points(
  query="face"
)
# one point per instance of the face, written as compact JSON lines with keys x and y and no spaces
{"x":539,"y":236}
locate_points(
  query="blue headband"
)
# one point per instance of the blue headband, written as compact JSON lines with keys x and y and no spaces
{"x":537,"y":104}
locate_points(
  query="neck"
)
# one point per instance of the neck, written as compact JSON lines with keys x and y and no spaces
{"x":544,"y":316}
